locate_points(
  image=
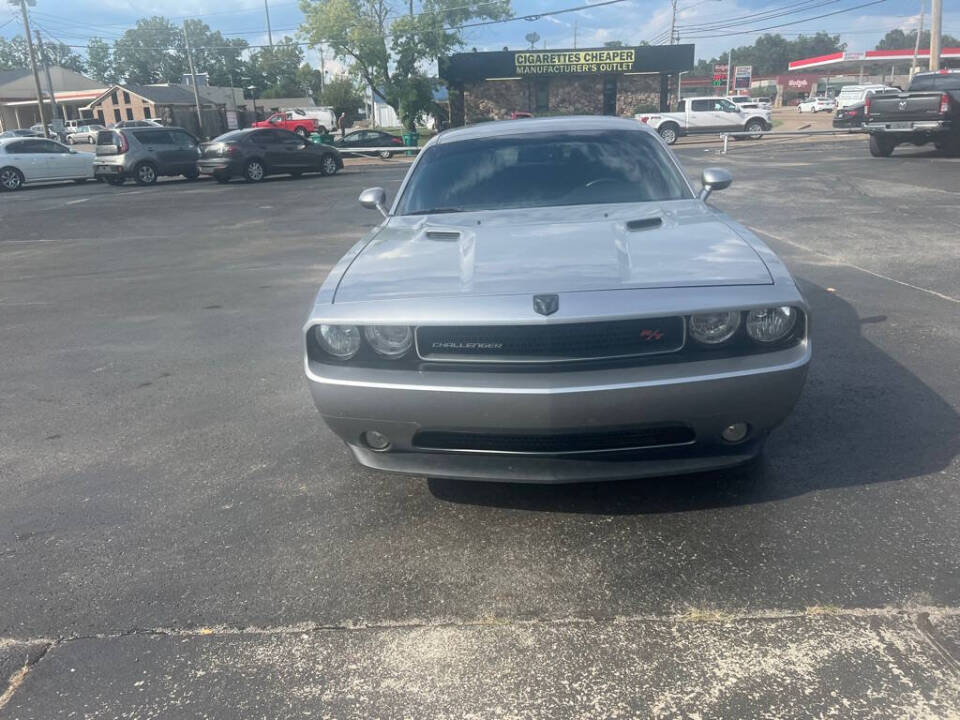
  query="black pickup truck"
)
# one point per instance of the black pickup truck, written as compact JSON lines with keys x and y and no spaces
{"x":928,"y":112}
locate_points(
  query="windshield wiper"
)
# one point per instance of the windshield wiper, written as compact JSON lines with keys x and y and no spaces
{"x":437,"y":211}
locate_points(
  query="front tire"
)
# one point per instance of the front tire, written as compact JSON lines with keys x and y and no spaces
{"x":755,"y":127}
{"x":145,"y":174}
{"x":669,"y":133}
{"x":116,"y":180}
{"x":880,"y":146}
{"x":385,"y":154}
{"x":322,"y":130}
{"x":192,"y":174}
{"x":221,"y":177}
{"x":302,"y":132}
{"x":10,"y":179}
{"x":254,"y":171}
{"x":328,"y":165}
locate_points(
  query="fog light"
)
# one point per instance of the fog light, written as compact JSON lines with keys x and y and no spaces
{"x":735,"y":433}
{"x":375,"y":441}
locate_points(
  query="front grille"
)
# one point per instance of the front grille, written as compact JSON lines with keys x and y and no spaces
{"x":554,"y":444}
{"x":560,"y":342}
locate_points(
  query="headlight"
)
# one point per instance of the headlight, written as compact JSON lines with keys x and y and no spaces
{"x":771,"y":324}
{"x":713,"y":328}
{"x":391,"y":341}
{"x":340,"y":341}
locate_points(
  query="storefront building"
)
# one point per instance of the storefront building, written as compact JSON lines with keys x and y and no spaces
{"x":590,"y":81}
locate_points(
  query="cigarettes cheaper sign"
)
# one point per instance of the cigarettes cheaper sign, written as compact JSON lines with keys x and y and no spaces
{"x":574,"y":61}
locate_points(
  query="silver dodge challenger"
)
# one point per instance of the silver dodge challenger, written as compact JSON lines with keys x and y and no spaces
{"x":551,"y":301}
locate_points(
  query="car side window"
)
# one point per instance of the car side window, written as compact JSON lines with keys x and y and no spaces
{"x":262,"y":137}
{"x":52,"y":148}
{"x":288,"y":138}
{"x":700,"y":105}
{"x":19,"y":148}
{"x":182,"y":139}
{"x":725,"y":106}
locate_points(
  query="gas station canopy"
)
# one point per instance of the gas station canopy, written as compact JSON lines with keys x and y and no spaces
{"x":839,"y":61}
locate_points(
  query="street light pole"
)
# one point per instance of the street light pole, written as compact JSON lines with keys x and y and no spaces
{"x":266,"y":8}
{"x":33,"y":64}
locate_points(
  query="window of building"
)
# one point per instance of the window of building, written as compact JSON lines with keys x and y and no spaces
{"x":146,"y":112}
{"x":129,"y":113}
{"x":126,"y":96}
{"x":542,"y":95}
{"x":116,"y":115}
{"x":100,"y":115}
{"x":113,"y":96}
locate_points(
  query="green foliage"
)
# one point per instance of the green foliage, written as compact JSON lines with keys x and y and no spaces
{"x":343,"y":96}
{"x":771,"y":54}
{"x":138,"y":59}
{"x":899,"y":40}
{"x":13,"y":54}
{"x":100,"y":65}
{"x":614,"y":44}
{"x":274,"y":70}
{"x":386,"y":47}
{"x":416,"y":101}
{"x":59,"y":54}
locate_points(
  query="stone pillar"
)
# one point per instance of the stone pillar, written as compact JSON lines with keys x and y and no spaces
{"x":664,"y":90}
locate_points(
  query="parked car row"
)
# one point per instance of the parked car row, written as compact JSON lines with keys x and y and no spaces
{"x":145,"y":154}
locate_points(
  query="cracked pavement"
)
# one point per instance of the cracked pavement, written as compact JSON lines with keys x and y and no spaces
{"x":181,"y":537}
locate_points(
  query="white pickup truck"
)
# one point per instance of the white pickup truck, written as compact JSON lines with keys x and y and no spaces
{"x":707,"y":115}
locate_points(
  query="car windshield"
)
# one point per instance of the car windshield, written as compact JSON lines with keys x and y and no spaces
{"x":540,"y":170}
{"x":942,"y":81}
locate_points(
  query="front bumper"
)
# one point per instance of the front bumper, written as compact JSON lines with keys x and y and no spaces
{"x":705,"y":396}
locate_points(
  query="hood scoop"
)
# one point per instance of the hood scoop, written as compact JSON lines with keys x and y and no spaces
{"x":442,"y":235}
{"x":644,"y":224}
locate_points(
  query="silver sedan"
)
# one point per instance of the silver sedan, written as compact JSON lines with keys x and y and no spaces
{"x":551,"y":301}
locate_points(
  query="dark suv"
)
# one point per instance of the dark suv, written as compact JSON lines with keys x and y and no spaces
{"x":145,"y":154}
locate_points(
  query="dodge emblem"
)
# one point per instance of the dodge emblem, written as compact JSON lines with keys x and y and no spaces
{"x":546,"y":304}
{"x":902,"y":104}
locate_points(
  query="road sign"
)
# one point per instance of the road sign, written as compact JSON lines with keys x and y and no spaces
{"x":741,"y":76}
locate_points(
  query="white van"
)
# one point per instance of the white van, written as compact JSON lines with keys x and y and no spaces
{"x":853,"y":94}
{"x":325,"y":116}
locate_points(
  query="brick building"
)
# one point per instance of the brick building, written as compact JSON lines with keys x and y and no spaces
{"x":589,"y":81}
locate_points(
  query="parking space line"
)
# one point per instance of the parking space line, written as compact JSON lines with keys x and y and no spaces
{"x":79,"y":200}
{"x":840,"y":261}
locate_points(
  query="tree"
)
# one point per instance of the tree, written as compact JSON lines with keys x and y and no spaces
{"x":59,"y":54}
{"x":899,"y":40}
{"x":100,"y":63}
{"x":614,"y":44}
{"x":310,"y":80}
{"x":213,"y":54}
{"x":532,"y":38}
{"x":771,"y":54}
{"x":13,"y":54}
{"x":357,"y":31}
{"x":274,"y":70}
{"x":343,"y":96}
{"x":151,"y":52}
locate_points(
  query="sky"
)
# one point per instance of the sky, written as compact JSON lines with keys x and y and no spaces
{"x":630,"y":21}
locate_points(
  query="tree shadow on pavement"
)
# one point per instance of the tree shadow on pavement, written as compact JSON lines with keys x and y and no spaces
{"x":862,"y":418}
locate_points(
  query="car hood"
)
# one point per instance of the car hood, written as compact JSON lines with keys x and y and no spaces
{"x":565,"y":249}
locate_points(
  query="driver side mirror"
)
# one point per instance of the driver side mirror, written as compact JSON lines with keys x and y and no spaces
{"x":714,"y":179}
{"x":374,"y":199}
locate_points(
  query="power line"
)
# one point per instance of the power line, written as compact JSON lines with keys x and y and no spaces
{"x":759,"y":17}
{"x":696,"y":36}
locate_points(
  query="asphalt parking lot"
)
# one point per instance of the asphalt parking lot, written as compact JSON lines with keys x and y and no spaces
{"x":180,"y":536}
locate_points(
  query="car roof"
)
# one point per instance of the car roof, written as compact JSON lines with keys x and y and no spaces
{"x":532,"y":126}
{"x":8,"y":140}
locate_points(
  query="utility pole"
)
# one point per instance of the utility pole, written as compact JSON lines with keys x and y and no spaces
{"x":673,"y":22}
{"x":193,"y":74}
{"x":916,"y":47}
{"x":33,"y":64}
{"x":936,"y":25}
{"x":266,"y":7}
{"x":54,"y":113}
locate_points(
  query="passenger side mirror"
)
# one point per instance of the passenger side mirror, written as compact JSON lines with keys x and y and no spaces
{"x":714,"y":179}
{"x":374,"y":199}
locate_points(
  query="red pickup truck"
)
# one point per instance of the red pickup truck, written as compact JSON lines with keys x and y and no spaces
{"x":302,"y":126}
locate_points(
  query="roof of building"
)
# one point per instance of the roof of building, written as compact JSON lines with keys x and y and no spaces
{"x":855,"y":59}
{"x":540,"y":125}
{"x":11,"y":75}
{"x":159,"y":94}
